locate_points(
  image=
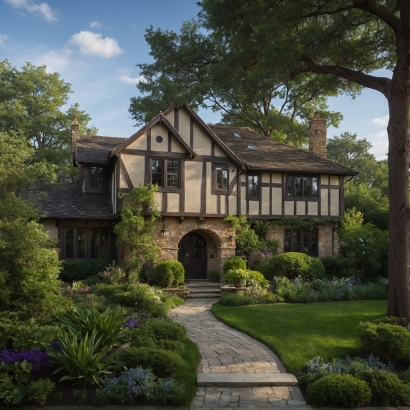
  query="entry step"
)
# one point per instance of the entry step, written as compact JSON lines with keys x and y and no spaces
{"x":246,"y":379}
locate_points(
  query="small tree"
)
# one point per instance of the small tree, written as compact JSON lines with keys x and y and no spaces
{"x":363,"y":244}
{"x":135,"y":231}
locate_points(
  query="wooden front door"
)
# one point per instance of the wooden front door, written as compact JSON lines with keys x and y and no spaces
{"x":192,"y":254}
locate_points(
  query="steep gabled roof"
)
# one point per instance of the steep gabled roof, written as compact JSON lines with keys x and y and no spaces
{"x":158,"y":119}
{"x":271,"y":155}
{"x":94,"y":149}
{"x":69,"y":202}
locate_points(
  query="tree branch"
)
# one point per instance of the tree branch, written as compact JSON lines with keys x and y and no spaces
{"x":381,"y":84}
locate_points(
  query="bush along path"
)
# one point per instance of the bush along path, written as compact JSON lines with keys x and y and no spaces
{"x":235,"y":370}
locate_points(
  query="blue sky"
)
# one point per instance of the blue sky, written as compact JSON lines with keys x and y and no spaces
{"x":95,"y":46}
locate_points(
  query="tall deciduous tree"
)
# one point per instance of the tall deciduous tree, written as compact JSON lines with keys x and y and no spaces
{"x":345,"y":40}
{"x":31,"y":102}
{"x":196,"y":68}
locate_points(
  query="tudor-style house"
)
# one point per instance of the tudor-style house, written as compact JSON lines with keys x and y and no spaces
{"x":204,"y":173}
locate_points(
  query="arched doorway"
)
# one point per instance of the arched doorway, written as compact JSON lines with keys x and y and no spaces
{"x":192,"y":253}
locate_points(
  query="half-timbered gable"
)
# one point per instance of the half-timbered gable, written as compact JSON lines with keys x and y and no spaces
{"x":203,"y":173}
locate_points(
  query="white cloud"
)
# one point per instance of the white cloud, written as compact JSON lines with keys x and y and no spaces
{"x":382,"y":122}
{"x":56,"y":60}
{"x":125,"y":77}
{"x":42,"y":9}
{"x":3,"y":38}
{"x":96,"y":25}
{"x":93,"y":43}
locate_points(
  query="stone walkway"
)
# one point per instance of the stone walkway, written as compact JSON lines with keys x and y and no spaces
{"x":226,"y":350}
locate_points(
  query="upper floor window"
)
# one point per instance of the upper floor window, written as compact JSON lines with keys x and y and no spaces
{"x":222,"y":177}
{"x":302,"y":187}
{"x":301,"y":240}
{"x":95,"y":179}
{"x":86,"y":243}
{"x":165,"y":173}
{"x":253,"y":186}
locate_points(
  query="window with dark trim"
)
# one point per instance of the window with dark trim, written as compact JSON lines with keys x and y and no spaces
{"x":221,"y":177}
{"x":86,"y":243}
{"x":301,"y":240}
{"x":165,"y":173}
{"x":253,"y":186}
{"x":302,"y":187}
{"x":95,"y":179}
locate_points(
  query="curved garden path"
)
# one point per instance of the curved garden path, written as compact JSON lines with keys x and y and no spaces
{"x":225,"y":350}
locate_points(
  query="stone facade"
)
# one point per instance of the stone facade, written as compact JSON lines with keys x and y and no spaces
{"x":317,"y":136}
{"x":328,"y":240}
{"x":218,"y":236}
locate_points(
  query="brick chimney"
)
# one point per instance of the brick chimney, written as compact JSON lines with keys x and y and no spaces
{"x":75,"y":136}
{"x":317,"y":136}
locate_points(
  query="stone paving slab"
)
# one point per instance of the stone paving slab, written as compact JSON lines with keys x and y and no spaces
{"x":245,"y":379}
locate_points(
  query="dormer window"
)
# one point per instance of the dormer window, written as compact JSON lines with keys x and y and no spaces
{"x":95,"y":179}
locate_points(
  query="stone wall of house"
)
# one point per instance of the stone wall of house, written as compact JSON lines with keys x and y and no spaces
{"x":216,"y":232}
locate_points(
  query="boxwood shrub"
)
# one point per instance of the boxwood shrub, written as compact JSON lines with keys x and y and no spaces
{"x":293,"y":264}
{"x":169,"y":273}
{"x":236,"y":262}
{"x":337,"y":390}
{"x":162,"y":330}
{"x":160,"y":361}
{"x":390,"y":342}
{"x":82,"y":269}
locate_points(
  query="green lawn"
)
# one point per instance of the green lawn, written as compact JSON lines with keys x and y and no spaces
{"x":298,"y":332}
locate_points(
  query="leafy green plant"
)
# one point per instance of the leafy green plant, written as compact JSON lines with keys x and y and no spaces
{"x":293,"y":264}
{"x":39,"y":390}
{"x":11,"y":392}
{"x":256,"y":278}
{"x":106,"y":325}
{"x":112,"y":273}
{"x":162,"y":330}
{"x":335,"y":390}
{"x":158,"y":360}
{"x":388,"y":341}
{"x":85,"y":360}
{"x":335,"y":266}
{"x":386,"y":387}
{"x":244,"y":299}
{"x":235,"y":276}
{"x":236,"y":262}
{"x":169,"y":273}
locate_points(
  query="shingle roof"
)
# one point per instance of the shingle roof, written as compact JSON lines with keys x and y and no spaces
{"x":95,"y":149}
{"x":273,"y":155}
{"x":70,"y":202}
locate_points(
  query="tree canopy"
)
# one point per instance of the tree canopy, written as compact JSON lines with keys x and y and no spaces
{"x":31,"y":104}
{"x":197,"y":68}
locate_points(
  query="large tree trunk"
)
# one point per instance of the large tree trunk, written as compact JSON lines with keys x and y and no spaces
{"x":399,"y":149}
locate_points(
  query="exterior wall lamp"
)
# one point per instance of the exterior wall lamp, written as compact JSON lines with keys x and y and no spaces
{"x":163,"y":230}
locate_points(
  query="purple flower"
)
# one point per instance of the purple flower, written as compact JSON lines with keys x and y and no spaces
{"x":55,"y":346}
{"x":35,"y":357}
{"x":131,"y":323}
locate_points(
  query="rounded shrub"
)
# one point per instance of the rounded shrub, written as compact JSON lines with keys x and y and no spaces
{"x":256,"y":278}
{"x":236,"y":262}
{"x":160,"y":361}
{"x":337,"y":390}
{"x":169,"y":273}
{"x":334,"y":266}
{"x":390,"y":342}
{"x":162,"y":330}
{"x":386,"y":387}
{"x":293,"y":264}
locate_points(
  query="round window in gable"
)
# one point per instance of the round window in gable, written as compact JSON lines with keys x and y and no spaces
{"x":159,"y":139}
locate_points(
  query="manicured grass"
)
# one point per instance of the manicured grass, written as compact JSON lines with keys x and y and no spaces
{"x":298,"y":332}
{"x":187,"y":373}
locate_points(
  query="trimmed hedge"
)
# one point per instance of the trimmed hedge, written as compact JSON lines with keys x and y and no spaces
{"x":337,"y":390}
{"x":390,"y":342}
{"x":169,"y":273}
{"x":293,"y":264}
{"x":236,"y":262}
{"x":160,"y":361}
{"x":82,"y":269}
